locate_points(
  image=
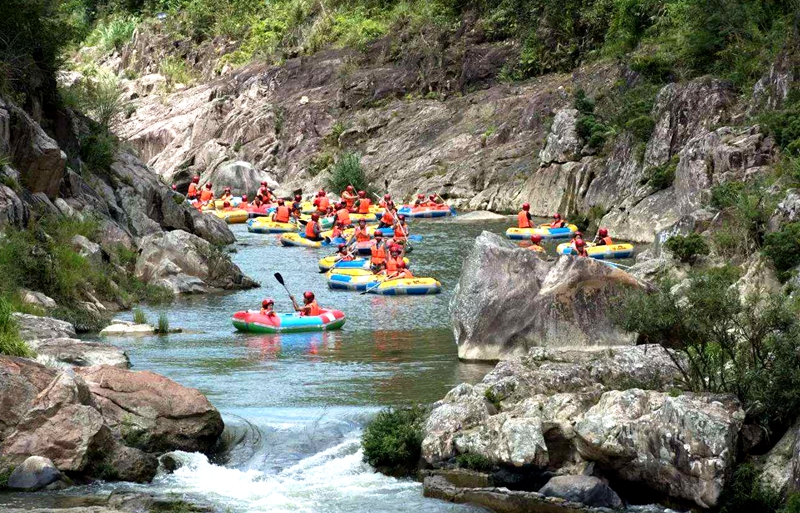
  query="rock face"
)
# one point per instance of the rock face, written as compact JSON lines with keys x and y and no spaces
{"x":187,"y":264}
{"x":34,"y":474}
{"x":509,"y":300}
{"x":562,"y":144}
{"x":241,"y":176}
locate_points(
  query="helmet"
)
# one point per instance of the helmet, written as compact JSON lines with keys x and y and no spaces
{"x":340,"y":204}
{"x":526,"y":206}
{"x":174,"y":187}
{"x":556,"y":216}
{"x":395,"y":249}
{"x":342,"y":246}
{"x":603,"y":232}
{"x":350,"y":188}
{"x":362,"y":193}
{"x":580,"y":243}
{"x":378,"y":234}
{"x":579,"y":234}
{"x":227,"y":188}
{"x":420,"y":196}
{"x":227,"y":204}
{"x":308,"y":294}
{"x":387,"y":197}
{"x":314,"y":216}
{"x":536,"y":238}
{"x":244,"y":197}
{"x":321,"y":192}
{"x":267,"y":302}
{"x":280,"y":201}
{"x":264,"y":184}
{"x":432,"y":196}
{"x":401,"y":217}
{"x":208,"y":185}
{"x":195,"y":178}
{"x":297,"y":197}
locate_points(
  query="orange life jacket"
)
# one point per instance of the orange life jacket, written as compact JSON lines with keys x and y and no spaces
{"x":336,"y":233}
{"x":378,"y":254}
{"x":282,"y":214}
{"x":405,"y":274}
{"x":362,"y":235}
{"x":313,"y":309}
{"x":391,"y":263}
{"x":206,"y":195}
{"x":522,"y":219}
{"x":349,"y":199}
{"x":606,"y":241}
{"x":363,"y":205}
{"x":323,"y":204}
{"x":401,"y":231}
{"x":343,"y":216}
{"x":558,"y":224}
{"x":310,"y":232}
{"x":388,"y":217}
{"x":192,"y":193}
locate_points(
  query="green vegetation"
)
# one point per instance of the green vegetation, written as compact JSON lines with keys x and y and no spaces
{"x":661,"y":177}
{"x":473,"y":462}
{"x":162,"y":328}
{"x":112,"y":33}
{"x":139,"y":317}
{"x":687,"y":248}
{"x":783,"y":248}
{"x":590,"y":128}
{"x":10,"y":342}
{"x":348,"y":171}
{"x":746,"y":493}
{"x":175,"y":72}
{"x":724,"y":343}
{"x":393,"y":440}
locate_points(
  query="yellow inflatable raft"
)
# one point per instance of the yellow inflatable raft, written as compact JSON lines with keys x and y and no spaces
{"x":544,"y":230}
{"x":232,"y":216}
{"x":609,"y":252}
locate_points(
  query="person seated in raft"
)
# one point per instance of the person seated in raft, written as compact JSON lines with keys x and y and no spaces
{"x":402,"y":272}
{"x":310,"y":307}
{"x":194,"y":189}
{"x":207,"y":194}
{"x":395,"y":257}
{"x":378,"y":253}
{"x":226,"y":206}
{"x":557,"y":222}
{"x":322,"y":203}
{"x":349,"y":197}
{"x":602,"y":238}
{"x":577,"y":236}
{"x":258,"y":202}
{"x":580,"y":248}
{"x":343,"y":254}
{"x":363,"y":203}
{"x":401,"y":230}
{"x":387,"y":198}
{"x":536,"y":243}
{"x":297,"y":206}
{"x":361,"y":233}
{"x":524,"y":217}
{"x":435,"y":199}
{"x":343,"y":215}
{"x":265,"y":192}
{"x":312,"y":228}
{"x":268,"y":307}
{"x":244,"y":202}
{"x":226,"y":194}
{"x":420,"y":200}
{"x":282,"y":213}
{"x":337,"y":232}
{"x":389,"y":216}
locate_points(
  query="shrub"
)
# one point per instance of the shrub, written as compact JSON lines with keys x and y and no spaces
{"x":97,"y":150}
{"x":745,"y":493}
{"x":662,"y":177}
{"x":139,"y":316}
{"x":393,"y":440}
{"x":175,"y":71}
{"x":687,"y":248}
{"x":113,"y":32}
{"x":11,"y":343}
{"x":473,"y":461}
{"x":783,"y":248}
{"x":726,"y":195}
{"x":348,"y":171}
{"x":163,"y":324}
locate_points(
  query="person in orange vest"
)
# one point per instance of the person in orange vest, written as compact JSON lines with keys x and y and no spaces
{"x":244,"y":203}
{"x":536,"y":243}
{"x":524,"y":217}
{"x":434,"y":199}
{"x":401,"y":230}
{"x":264,"y":192}
{"x":363,"y":203}
{"x":402,"y":272}
{"x":349,"y":197}
{"x":378,"y":253}
{"x":207,"y":194}
{"x":575,"y":238}
{"x":322,"y":203}
{"x":193,"y":193}
{"x":387,"y":198}
{"x":420,"y":200}
{"x":343,"y":216}
{"x":602,"y":238}
{"x":258,"y":203}
{"x":389,"y":217}
{"x":282,"y":213}
{"x":312,"y":228}
{"x":227,"y":206}
{"x":226,"y":194}
{"x":297,"y":206}
{"x":361,"y":233}
{"x":337,"y":232}
{"x":395,"y":257}
{"x":310,"y":307}
{"x":557,"y":222}
{"x":268,"y":308}
{"x":344,"y":254}
{"x":580,"y":248}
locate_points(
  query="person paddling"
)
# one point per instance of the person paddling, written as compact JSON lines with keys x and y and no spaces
{"x":363,"y":203}
{"x":420,"y":200}
{"x":378,"y":253}
{"x":310,"y":307}
{"x":344,"y":254}
{"x":349,"y":197}
{"x":524,"y":217}
{"x":536,"y":243}
{"x":361,"y":233}
{"x":602,"y":238}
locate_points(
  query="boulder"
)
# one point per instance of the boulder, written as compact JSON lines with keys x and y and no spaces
{"x":163,"y":414}
{"x":126,"y":329}
{"x":21,"y":380}
{"x":509,"y":300}
{"x":587,"y":490}
{"x":70,"y":352}
{"x":13,"y":212}
{"x":33,"y":327}
{"x":33,"y":298}
{"x":185,"y":263}
{"x":777,"y":471}
{"x":683,"y":446}
{"x":242,"y":177}
{"x":211,"y":228}
{"x":88,"y":250}
{"x":563,"y":143}
{"x":462,"y":408}
{"x":788,"y":210}
{"x":34,"y":474}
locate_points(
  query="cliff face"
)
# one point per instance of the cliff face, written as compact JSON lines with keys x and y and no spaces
{"x":480,"y":143}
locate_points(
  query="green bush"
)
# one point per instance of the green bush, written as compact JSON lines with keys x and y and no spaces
{"x":745,"y":493}
{"x":139,"y":316}
{"x":663,"y":176}
{"x":783,"y":248}
{"x":11,"y":343}
{"x":163,"y":324}
{"x":112,"y":33}
{"x":97,"y":150}
{"x":687,"y":248}
{"x":393,"y":440}
{"x":473,"y":462}
{"x":726,"y":195}
{"x":175,"y":71}
{"x":348,"y":171}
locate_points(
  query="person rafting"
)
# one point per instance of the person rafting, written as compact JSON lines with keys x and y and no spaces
{"x":268,"y":307}
{"x":226,"y":194}
{"x":297,"y":206}
{"x":363,"y":203}
{"x":378,"y":253}
{"x":401,"y":230}
{"x":389,"y":216}
{"x":207,"y":194}
{"x":434,"y":199}
{"x":193,"y":193}
{"x":258,"y":202}
{"x":420,"y":200}
{"x":337,"y":232}
{"x":557,"y":222}
{"x":577,"y":236}
{"x":349,"y":197}
{"x":244,"y":202}
{"x":536,"y":243}
{"x":322,"y":202}
{"x":265,"y":192}
{"x":310,"y":307}
{"x":395,"y":257}
{"x":226,"y":205}
{"x":344,"y":254}
{"x":343,"y":215}
{"x":312,"y":228}
{"x":282,"y":213}
{"x":580,"y":248}
{"x":524,"y":217}
{"x":361,"y":233}
{"x":402,"y":272}
{"x":602,"y":238}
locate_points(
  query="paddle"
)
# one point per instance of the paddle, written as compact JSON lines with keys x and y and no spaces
{"x":280,"y":280}
{"x":371,"y":288}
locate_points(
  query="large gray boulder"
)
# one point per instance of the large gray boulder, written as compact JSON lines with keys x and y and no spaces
{"x":13,"y":212}
{"x":70,"y":352}
{"x":34,"y":474}
{"x":33,"y":327}
{"x":185,"y":264}
{"x":587,"y":490}
{"x":683,"y":446}
{"x":242,"y":177}
{"x":509,"y":300}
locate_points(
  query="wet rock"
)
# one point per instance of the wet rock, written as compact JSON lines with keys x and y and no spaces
{"x":563,"y":143}
{"x":462,"y":408}
{"x":123,"y":329}
{"x":473,"y":217}
{"x":167,"y":415}
{"x":33,"y":327}
{"x":509,"y":300}
{"x":683,"y":446}
{"x":587,"y":490}
{"x":170,"y":462}
{"x":185,"y":263}
{"x":34,"y":474}
{"x":129,"y":464}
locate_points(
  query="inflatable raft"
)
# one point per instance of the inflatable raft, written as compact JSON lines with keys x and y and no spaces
{"x":544,"y":230}
{"x":254,"y":322}
{"x":331,"y":262}
{"x":264,"y":225}
{"x":298,"y":239}
{"x":375,"y":284}
{"x":426,"y":211}
{"x":262,"y":211}
{"x":611,"y":252}
{"x":232,"y":216}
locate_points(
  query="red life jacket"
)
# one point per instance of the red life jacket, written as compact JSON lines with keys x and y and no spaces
{"x":558,"y":224}
{"x":522,"y":220}
{"x":192,"y":193}
{"x":282,"y":214}
{"x":362,"y":235}
{"x":343,"y":216}
{"x":378,"y":254}
{"x":323,"y":204}
{"x":363,"y":205}
{"x":388,"y":217}
{"x":310,"y":232}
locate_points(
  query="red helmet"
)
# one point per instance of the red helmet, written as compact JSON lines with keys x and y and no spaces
{"x":321,"y":192}
{"x":244,"y":197}
{"x":603,"y":232}
{"x":362,"y":193}
{"x":420,"y":196}
{"x":401,"y":217}
{"x":195,"y":178}
{"x":280,"y":201}
{"x":432,"y":196}
{"x":342,"y":246}
{"x":297,"y":197}
{"x":395,"y":249}
{"x":536,"y":238}
{"x":556,"y":216}
{"x":308,"y":294}
{"x":579,"y":234}
{"x":208,"y":185}
{"x":267,"y":302}
{"x":526,"y":206}
{"x":378,"y":234}
{"x":314,"y":216}
{"x":340,"y":204}
{"x":387,"y":197}
{"x":174,"y":187}
{"x":264,"y":184}
{"x":350,"y":188}
{"x":226,"y":204}
{"x":580,"y":243}
{"x":401,"y":264}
